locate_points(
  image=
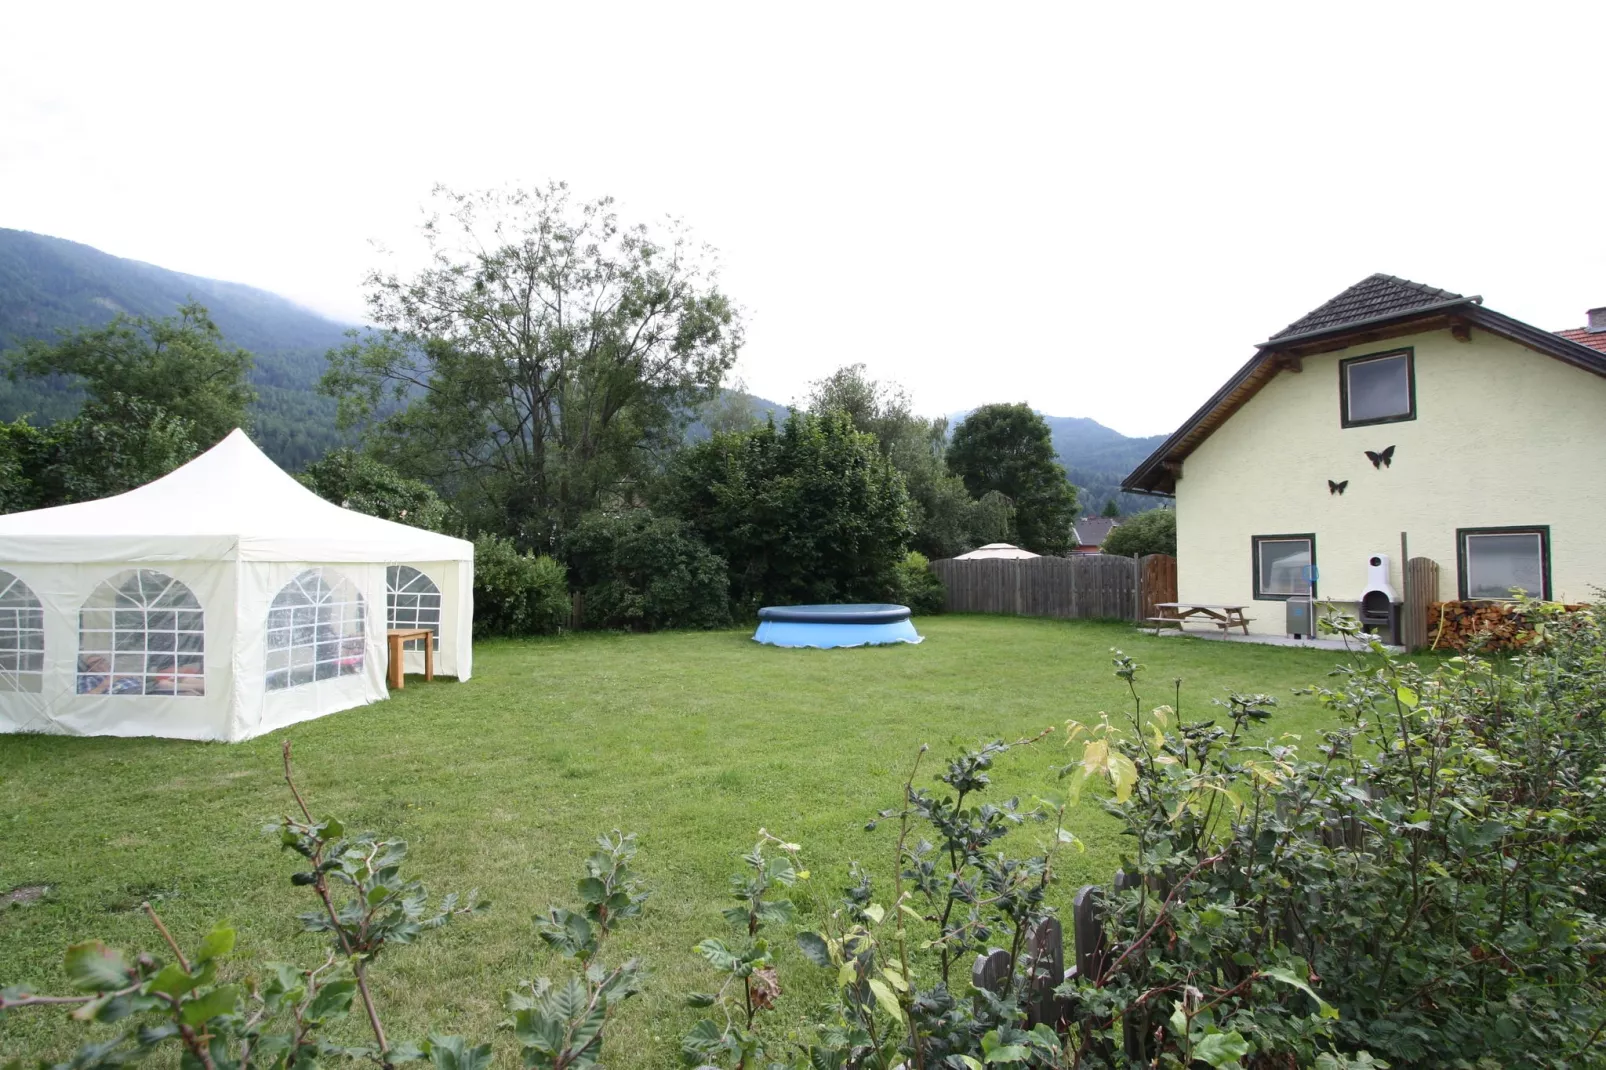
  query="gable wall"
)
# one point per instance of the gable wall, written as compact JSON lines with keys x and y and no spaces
{"x":1503,"y":436}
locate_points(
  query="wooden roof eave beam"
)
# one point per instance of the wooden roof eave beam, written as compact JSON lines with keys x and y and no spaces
{"x":1367,"y":337}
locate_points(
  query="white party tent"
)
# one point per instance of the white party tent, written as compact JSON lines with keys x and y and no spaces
{"x":221,"y":601}
{"x":997,"y":551}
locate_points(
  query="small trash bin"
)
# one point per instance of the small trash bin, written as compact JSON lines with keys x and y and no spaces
{"x":1301,"y":618}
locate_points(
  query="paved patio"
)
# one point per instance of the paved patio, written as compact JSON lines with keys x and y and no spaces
{"x":1272,"y":640}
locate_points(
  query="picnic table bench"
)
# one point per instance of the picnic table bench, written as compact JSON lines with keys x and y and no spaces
{"x":1224,"y":617}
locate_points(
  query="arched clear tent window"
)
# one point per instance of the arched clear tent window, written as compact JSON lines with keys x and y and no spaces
{"x":141,"y":633}
{"x":315,"y":630}
{"x":412,"y":601}
{"x":22,"y":637}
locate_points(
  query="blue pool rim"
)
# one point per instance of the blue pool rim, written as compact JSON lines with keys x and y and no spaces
{"x":866,"y":613}
{"x":831,"y":627}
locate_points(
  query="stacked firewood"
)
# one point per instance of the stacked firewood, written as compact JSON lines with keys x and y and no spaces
{"x":1480,"y":625}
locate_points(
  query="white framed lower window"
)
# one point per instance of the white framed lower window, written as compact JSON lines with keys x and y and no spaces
{"x":1495,"y":563}
{"x":1284,"y":566}
{"x":316,"y":630}
{"x":22,"y":637}
{"x":142,"y":632}
{"x":412,"y":601}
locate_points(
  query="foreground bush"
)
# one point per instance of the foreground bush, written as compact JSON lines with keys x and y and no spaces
{"x":1426,"y":884}
{"x":517,"y":593}
{"x":642,"y":571}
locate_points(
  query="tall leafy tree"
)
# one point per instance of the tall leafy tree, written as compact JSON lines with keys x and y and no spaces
{"x":110,"y":447}
{"x":180,"y":364}
{"x":1111,"y":510}
{"x":1150,"y":532}
{"x":945,"y":519}
{"x":1008,"y":449}
{"x":809,"y":512}
{"x":543,"y":363}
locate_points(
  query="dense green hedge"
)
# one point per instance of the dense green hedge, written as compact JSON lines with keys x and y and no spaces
{"x":808,"y":512}
{"x":517,"y":593}
{"x":638,"y":570}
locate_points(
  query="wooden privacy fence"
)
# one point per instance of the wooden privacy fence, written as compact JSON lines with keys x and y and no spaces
{"x":1083,"y":586}
{"x":1421,"y":591}
{"x":1157,"y":580}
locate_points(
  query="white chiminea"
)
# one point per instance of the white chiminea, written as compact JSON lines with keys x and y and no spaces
{"x":1378,"y":600}
{"x":1377,"y":577}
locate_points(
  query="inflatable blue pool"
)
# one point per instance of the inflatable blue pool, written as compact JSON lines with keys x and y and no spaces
{"x":833,"y":626}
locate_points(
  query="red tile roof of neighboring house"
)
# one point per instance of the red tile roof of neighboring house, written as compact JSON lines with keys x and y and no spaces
{"x":1584,"y":336}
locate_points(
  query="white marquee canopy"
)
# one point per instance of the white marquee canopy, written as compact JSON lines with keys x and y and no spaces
{"x":997,"y":551}
{"x":221,"y":601}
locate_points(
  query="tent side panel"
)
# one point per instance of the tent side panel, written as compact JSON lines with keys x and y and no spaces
{"x":315,"y":643}
{"x":128,"y":653}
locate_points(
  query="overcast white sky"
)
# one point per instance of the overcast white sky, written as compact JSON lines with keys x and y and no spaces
{"x":1094,"y":208}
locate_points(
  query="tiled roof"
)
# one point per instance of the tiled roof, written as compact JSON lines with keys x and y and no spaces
{"x":1373,"y":296}
{"x":1093,"y":530}
{"x":1583,"y":336}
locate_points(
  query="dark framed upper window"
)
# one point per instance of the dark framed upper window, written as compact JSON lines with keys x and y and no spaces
{"x":1491,"y":562}
{"x":1284,"y":566}
{"x":1379,"y":388}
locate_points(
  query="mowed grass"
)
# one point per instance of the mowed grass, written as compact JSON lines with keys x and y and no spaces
{"x":693,"y":741}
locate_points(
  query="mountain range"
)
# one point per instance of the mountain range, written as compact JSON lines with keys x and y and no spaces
{"x":50,"y":284}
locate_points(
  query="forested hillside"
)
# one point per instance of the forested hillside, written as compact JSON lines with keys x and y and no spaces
{"x":1097,"y":458}
{"x":48,"y":284}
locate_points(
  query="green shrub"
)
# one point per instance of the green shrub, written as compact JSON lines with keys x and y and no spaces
{"x":517,"y":593}
{"x":917,"y":586}
{"x":1153,"y":532}
{"x":1425,"y":884}
{"x":642,"y":571}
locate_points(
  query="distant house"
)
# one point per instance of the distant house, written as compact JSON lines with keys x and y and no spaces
{"x":1090,"y":532}
{"x":996,"y":551}
{"x":1394,"y":407}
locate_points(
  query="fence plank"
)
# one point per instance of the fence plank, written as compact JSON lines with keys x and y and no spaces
{"x":1087,"y":925}
{"x":1421,"y":591}
{"x":1045,"y":959}
{"x":991,"y":970}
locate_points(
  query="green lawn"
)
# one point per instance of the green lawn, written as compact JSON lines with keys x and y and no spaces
{"x":691,"y":740}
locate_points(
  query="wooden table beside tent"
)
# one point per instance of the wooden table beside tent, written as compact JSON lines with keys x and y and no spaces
{"x":395,"y":637}
{"x":1177,"y":613}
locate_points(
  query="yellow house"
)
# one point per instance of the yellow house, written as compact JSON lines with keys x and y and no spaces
{"x":1394,"y":409}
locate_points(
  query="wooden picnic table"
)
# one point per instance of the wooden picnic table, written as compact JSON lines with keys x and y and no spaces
{"x":1224,"y":617}
{"x":395,"y":637}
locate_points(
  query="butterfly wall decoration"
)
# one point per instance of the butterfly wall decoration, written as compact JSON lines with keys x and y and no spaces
{"x":1336,"y":488}
{"x":1383,"y":459}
